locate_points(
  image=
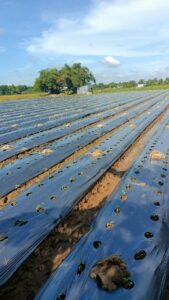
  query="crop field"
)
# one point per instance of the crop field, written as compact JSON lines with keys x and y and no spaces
{"x":83,"y":179}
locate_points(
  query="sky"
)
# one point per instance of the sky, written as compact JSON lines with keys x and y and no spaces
{"x":118,"y":40}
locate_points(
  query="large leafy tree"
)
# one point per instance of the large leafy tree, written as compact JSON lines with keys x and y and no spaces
{"x":80,"y":76}
{"x":49,"y":81}
{"x":69,"y":77}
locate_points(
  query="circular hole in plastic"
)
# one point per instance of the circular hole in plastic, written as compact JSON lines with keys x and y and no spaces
{"x":29,"y":193}
{"x":128,"y":187}
{"x":64,"y":188}
{"x":3,"y":237}
{"x":53,"y":198}
{"x":80,"y":268}
{"x":117,"y":210}
{"x":129,"y":284}
{"x":133,"y":179}
{"x":159,"y":193}
{"x":160,"y":183}
{"x":148,"y":234}
{"x":72,"y":179}
{"x":20,"y":222}
{"x":96,"y":244}
{"x":61,"y":297}
{"x":164,"y":169}
{"x":154,"y":217}
{"x":40,"y":209}
{"x":140,"y":255}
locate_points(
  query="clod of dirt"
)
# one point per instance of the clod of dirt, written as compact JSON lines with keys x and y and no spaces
{"x":110,"y":224}
{"x":24,"y":149}
{"x":132,"y":125}
{"x":100,"y":125}
{"x":111,"y":273}
{"x":5,"y":147}
{"x":97,"y":153}
{"x":46,"y":151}
{"x":157,"y":155}
{"x":123,"y":197}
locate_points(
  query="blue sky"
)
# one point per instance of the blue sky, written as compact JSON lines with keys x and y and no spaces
{"x":117,"y":39}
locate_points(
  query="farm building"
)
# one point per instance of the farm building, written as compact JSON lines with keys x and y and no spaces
{"x":140,"y":85}
{"x":84,"y":89}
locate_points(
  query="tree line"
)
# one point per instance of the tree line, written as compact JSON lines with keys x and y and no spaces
{"x":14,"y":89}
{"x":133,"y":83}
{"x":68,"y":79}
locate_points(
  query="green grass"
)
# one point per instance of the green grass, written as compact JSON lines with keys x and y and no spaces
{"x":95,"y":91}
{"x":118,"y":90}
{"x":22,"y":96}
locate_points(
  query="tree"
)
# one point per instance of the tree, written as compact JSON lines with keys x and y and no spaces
{"x":48,"y":81}
{"x":68,"y":78}
{"x":75,"y":76}
{"x":141,"y":81}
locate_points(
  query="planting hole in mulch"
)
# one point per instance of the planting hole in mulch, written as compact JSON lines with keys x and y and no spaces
{"x":140,"y":255}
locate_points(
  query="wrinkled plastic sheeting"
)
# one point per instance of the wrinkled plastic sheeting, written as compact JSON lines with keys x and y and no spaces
{"x":24,"y":111}
{"x":28,"y":130}
{"x":42,"y":206}
{"x":37,"y":139}
{"x":54,"y":111}
{"x":146,"y":192}
{"x":27,"y":168}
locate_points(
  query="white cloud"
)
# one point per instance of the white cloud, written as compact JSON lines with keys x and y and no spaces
{"x":130,"y":28}
{"x":110,"y":61}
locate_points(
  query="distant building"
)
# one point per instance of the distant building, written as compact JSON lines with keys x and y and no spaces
{"x":140,"y":85}
{"x":86,"y":89}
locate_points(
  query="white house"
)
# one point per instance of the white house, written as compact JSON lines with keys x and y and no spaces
{"x":140,"y":85}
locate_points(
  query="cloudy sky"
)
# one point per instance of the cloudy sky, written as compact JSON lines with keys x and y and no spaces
{"x":117,"y":39}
